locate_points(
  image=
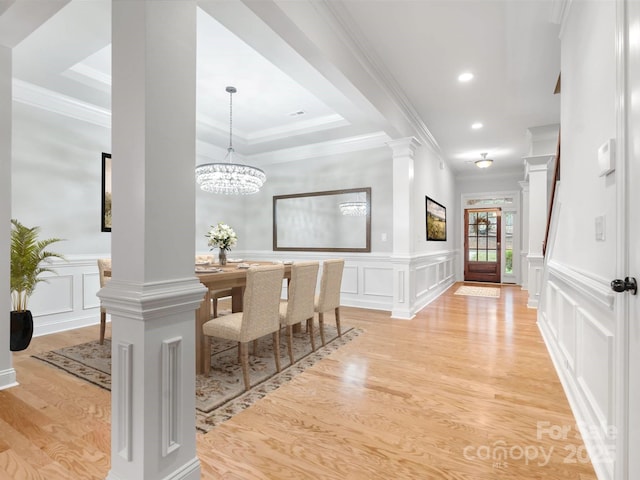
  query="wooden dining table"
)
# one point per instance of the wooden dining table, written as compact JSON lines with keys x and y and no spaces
{"x":217,"y":278}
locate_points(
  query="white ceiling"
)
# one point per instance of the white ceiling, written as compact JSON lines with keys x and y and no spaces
{"x":368,"y":69}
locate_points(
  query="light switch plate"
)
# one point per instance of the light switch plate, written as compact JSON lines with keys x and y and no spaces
{"x":606,"y":158}
{"x":600,"y":224}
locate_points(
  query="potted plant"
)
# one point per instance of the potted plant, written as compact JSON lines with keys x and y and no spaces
{"x":28,"y":254}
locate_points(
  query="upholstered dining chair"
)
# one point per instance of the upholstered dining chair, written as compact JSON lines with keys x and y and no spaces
{"x":103,"y":264}
{"x":215,"y":294}
{"x":329,"y":297}
{"x":260,"y":316}
{"x":299,"y":306}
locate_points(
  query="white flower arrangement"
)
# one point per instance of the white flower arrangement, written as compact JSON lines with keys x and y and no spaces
{"x":221,"y":236}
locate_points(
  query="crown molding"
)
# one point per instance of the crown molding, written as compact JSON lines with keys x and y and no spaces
{"x":560,"y":13}
{"x":35,"y":96}
{"x":343,"y":24}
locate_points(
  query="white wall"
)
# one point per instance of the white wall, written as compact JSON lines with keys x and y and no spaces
{"x":368,"y":168}
{"x":438,"y":184}
{"x":57,"y":176}
{"x":576,"y":313}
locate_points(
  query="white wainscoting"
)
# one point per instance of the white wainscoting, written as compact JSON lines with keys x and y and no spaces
{"x":68,"y":300}
{"x":434,"y":273}
{"x":576,"y":319}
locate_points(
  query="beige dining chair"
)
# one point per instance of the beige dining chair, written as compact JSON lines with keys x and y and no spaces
{"x":215,"y":294}
{"x":329,"y":297}
{"x":103,"y":264}
{"x":260,"y":316}
{"x":299,"y":306}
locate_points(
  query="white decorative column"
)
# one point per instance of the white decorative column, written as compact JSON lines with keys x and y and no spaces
{"x":524,"y":244}
{"x":403,"y":227}
{"x":153,"y":293}
{"x":536,"y":168}
{"x":7,"y":372}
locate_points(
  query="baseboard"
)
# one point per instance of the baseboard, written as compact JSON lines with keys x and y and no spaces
{"x":56,"y":326}
{"x":8,"y":378}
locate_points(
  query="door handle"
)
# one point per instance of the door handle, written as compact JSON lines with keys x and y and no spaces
{"x":628,"y":284}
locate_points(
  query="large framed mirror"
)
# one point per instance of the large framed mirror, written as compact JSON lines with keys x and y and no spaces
{"x":331,"y":221}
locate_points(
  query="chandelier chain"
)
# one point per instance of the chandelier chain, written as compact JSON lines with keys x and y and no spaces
{"x":230,"y":121}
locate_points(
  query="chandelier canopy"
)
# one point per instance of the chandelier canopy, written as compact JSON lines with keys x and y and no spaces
{"x":227,"y":177}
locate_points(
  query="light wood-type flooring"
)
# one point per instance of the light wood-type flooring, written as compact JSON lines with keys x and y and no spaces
{"x":464,"y":391}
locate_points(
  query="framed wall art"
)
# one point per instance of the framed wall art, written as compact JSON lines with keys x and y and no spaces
{"x":106,"y":192}
{"x":436,"y":221}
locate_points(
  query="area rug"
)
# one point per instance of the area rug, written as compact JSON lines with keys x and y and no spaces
{"x":474,"y":291}
{"x":220,"y":395}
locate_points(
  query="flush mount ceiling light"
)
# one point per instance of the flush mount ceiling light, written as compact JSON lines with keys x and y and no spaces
{"x":227,"y":177}
{"x":484,"y":162}
{"x":477,"y":126}
{"x":465,"y":77}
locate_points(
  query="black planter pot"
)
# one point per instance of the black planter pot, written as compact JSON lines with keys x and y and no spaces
{"x":21,"y":330}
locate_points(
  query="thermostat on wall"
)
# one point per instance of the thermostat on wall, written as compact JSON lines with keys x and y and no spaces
{"x":606,"y":158}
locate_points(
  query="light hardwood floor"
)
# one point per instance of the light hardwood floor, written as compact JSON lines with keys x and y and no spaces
{"x":439,"y":397}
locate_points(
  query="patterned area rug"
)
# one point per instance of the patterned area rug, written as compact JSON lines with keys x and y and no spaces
{"x":474,"y":291}
{"x":220,"y":395}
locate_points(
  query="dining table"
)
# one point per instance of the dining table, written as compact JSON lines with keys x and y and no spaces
{"x":217,"y":277}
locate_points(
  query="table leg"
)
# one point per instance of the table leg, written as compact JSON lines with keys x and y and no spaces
{"x":203,"y":315}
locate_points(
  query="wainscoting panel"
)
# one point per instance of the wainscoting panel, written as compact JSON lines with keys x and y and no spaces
{"x":377,"y":281}
{"x":90,"y":285}
{"x":595,"y":367}
{"x":576,"y":319}
{"x":433,"y":275}
{"x":349,"y":279}
{"x":53,"y":296}
{"x":567,"y":318}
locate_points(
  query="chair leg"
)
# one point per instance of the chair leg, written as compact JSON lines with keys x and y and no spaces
{"x":214,"y":304}
{"x":239,"y":352}
{"x":255,"y":347}
{"x":338,"y":321}
{"x":321,"y":325}
{"x":103,"y":326}
{"x":290,"y":342}
{"x":276,"y":348}
{"x":244,"y":354}
{"x":310,"y":330}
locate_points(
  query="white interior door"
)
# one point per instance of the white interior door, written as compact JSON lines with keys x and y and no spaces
{"x":630,"y":468}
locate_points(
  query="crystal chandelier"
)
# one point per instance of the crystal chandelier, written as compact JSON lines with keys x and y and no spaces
{"x":353,"y":209}
{"x":227,"y":177}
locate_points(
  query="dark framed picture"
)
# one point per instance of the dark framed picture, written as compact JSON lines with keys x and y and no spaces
{"x":106,"y":192}
{"x":436,"y":221}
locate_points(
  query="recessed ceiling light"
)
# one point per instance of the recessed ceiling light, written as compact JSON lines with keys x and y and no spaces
{"x":465,"y":77}
{"x":477,"y":125}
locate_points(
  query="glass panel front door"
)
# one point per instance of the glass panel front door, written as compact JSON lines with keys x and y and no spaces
{"x":482,"y":245}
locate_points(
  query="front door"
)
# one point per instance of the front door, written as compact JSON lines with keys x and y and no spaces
{"x":482,"y":245}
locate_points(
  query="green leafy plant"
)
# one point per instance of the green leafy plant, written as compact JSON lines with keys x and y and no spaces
{"x":27,"y":257}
